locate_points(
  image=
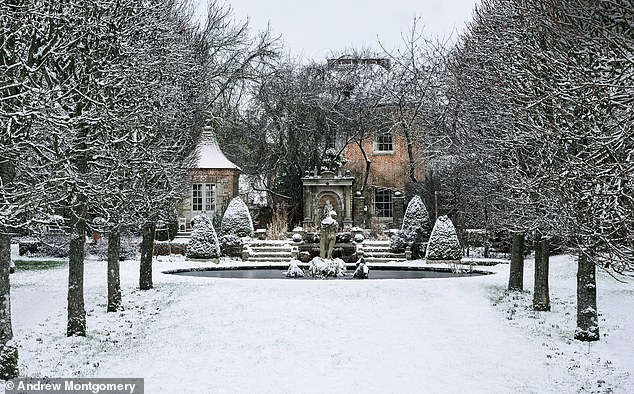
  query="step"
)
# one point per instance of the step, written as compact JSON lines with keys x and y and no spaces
{"x":270,"y":255}
{"x":259,"y":259}
{"x":377,"y":249}
{"x":270,"y":243}
{"x":382,"y":259}
{"x":376,"y":246}
{"x":269,"y":250}
{"x":386,"y":255}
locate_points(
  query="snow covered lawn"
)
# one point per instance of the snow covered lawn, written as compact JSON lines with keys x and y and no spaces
{"x":204,"y":335}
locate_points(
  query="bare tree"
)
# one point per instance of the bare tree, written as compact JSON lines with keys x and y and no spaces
{"x":303,"y":117}
{"x":414,"y":92}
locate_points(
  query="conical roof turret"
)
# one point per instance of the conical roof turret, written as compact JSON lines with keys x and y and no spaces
{"x":209,"y":153}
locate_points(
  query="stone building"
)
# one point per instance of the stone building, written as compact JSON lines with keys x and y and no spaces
{"x":213,"y":182}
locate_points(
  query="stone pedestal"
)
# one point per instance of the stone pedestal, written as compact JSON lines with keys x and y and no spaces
{"x":359,"y":211}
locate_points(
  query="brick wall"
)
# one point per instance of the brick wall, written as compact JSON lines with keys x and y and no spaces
{"x":388,"y":170}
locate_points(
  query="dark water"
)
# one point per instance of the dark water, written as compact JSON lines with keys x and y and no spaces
{"x":278,"y":273}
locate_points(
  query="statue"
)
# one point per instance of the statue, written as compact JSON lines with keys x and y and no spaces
{"x":362,"y":270}
{"x":328,"y":237}
{"x":327,"y":209}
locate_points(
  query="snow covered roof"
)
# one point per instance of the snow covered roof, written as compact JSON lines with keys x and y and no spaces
{"x":209,"y":153}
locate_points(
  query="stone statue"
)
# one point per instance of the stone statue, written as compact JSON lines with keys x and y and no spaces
{"x":328,"y":237}
{"x":327,"y":209}
{"x":362,"y":270}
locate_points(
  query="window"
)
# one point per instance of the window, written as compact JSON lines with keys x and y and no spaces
{"x":208,"y":197}
{"x":383,"y":203}
{"x":383,"y":142}
{"x":197,"y":197}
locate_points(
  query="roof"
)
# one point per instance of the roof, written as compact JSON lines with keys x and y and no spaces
{"x":209,"y":153}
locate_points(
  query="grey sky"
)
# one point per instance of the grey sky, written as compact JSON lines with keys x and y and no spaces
{"x":315,"y":29}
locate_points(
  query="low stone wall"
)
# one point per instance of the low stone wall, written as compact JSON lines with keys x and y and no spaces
{"x":164,"y":248}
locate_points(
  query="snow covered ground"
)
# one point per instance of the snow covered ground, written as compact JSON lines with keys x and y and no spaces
{"x":204,"y":335}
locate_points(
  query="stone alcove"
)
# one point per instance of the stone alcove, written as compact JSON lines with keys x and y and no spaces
{"x":327,"y":200}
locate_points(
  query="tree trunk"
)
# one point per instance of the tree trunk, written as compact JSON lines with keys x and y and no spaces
{"x":147,"y":249}
{"x":587,"y":319}
{"x":410,"y":155}
{"x":516,"y":270}
{"x":76,"y":312}
{"x":76,"y":324}
{"x":8,"y":349}
{"x":368,"y":163}
{"x":114,"y":284}
{"x":541,"y":297}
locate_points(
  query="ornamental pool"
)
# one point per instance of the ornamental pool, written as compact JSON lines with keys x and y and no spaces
{"x":278,"y":272}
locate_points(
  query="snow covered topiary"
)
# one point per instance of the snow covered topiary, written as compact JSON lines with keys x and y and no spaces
{"x":231,"y":245}
{"x":443,"y":241}
{"x":237,"y":219}
{"x":203,"y":243}
{"x":416,"y":221}
{"x":414,"y":229}
{"x":398,"y":242}
{"x":230,"y":241}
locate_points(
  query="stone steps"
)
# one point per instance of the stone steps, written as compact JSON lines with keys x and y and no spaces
{"x":280,"y":252}
{"x":269,"y":251}
{"x":379,"y":252}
